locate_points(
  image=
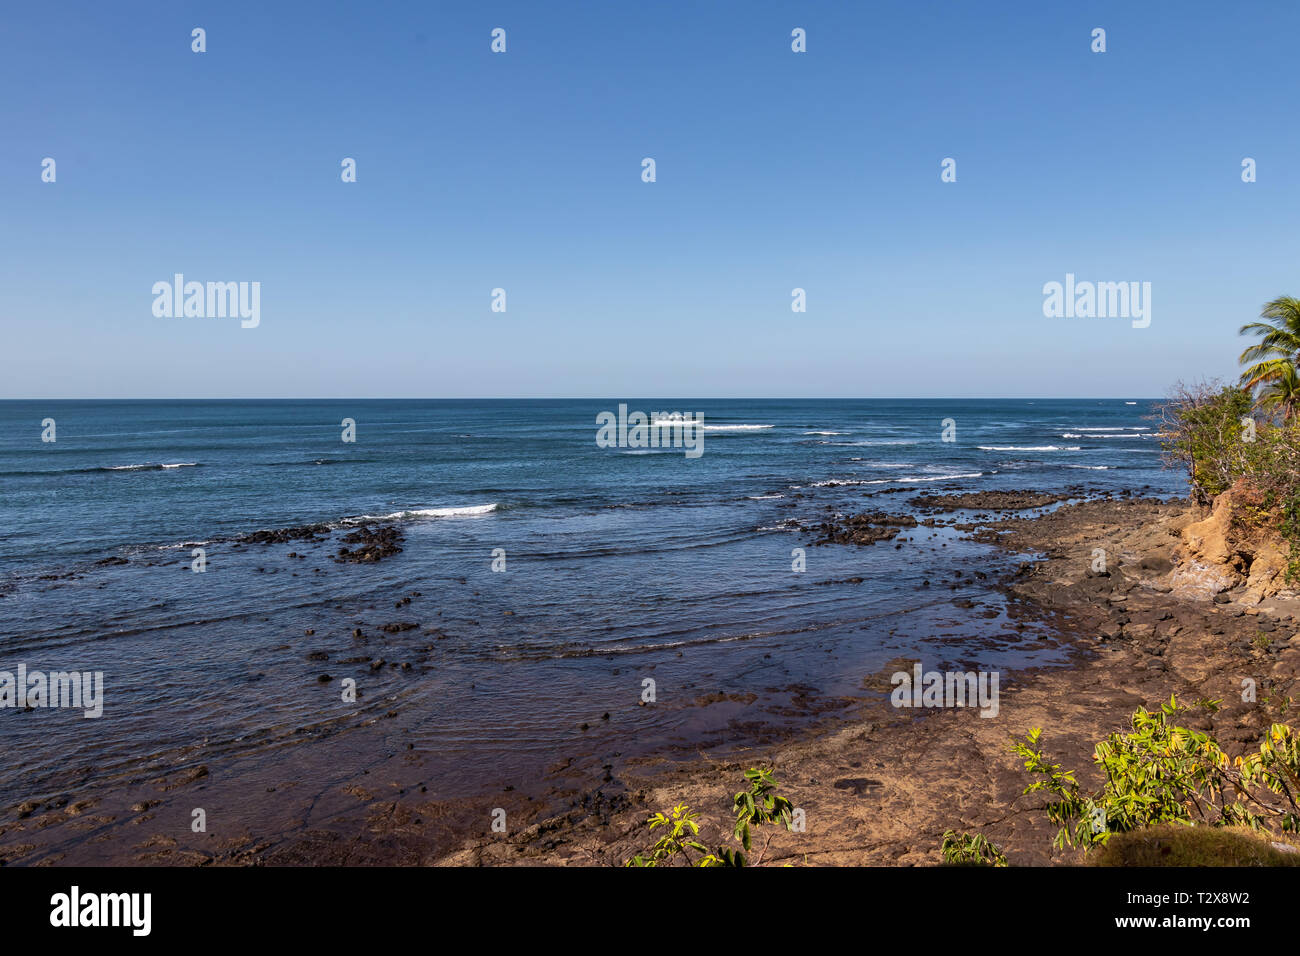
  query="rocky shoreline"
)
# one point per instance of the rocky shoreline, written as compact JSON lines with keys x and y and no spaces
{"x":1121,"y":581}
{"x":880,"y":786}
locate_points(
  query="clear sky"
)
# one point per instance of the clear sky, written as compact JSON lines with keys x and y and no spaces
{"x":522,"y":170}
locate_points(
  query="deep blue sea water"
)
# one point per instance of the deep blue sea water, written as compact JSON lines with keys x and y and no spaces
{"x":621,"y":565}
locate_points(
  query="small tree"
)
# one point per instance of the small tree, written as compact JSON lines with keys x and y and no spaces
{"x":1201,"y":430}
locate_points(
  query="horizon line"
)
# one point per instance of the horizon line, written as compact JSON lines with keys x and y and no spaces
{"x":592,"y":398}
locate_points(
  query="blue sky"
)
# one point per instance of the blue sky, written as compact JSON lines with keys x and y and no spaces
{"x":522,"y":170}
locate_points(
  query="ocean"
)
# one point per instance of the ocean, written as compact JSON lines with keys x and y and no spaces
{"x":554,"y":601}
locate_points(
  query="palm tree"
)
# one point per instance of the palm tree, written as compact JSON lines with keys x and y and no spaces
{"x":1273,"y":359}
{"x":1282,"y":394}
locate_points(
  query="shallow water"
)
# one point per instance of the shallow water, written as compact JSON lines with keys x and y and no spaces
{"x":621,"y":565}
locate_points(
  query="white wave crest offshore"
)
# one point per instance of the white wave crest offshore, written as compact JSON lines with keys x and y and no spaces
{"x":462,"y":512}
{"x":1028,"y":447}
{"x":912,"y":479}
{"x":152,"y":467}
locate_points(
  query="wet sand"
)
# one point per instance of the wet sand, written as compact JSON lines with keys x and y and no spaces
{"x":878,"y":785}
{"x":883,"y":786}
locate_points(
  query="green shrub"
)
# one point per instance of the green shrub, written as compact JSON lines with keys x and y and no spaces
{"x":1201,"y":431}
{"x":970,"y":849}
{"x":1161,"y":773}
{"x":759,"y":804}
{"x":1220,"y":438}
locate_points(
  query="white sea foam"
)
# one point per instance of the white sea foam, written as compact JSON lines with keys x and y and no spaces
{"x":910,"y":479}
{"x":825,"y":433}
{"x":970,"y":474}
{"x":1107,"y":435}
{"x":1028,"y":447}
{"x":152,"y":467}
{"x":727,"y":428}
{"x":427,"y":513}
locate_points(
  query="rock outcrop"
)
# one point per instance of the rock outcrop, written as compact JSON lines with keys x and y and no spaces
{"x":1235,"y":545}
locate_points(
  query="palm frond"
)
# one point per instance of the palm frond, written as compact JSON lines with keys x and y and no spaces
{"x":1271,"y":363}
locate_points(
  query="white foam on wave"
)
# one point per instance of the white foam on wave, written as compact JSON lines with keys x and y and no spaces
{"x":763,"y":497}
{"x":150,"y":466}
{"x":914,"y":478}
{"x":889,"y":481}
{"x":465,"y":511}
{"x":1108,"y":435}
{"x":1028,"y":448}
{"x":825,"y":433}
{"x":1091,"y":467}
{"x":730,"y":428}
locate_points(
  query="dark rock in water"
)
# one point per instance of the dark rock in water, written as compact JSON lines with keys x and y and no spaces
{"x":866,"y":528}
{"x":374,"y":544}
{"x":307,"y":532}
{"x":398,"y":627}
{"x":988,"y":500}
{"x":108,"y":561}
